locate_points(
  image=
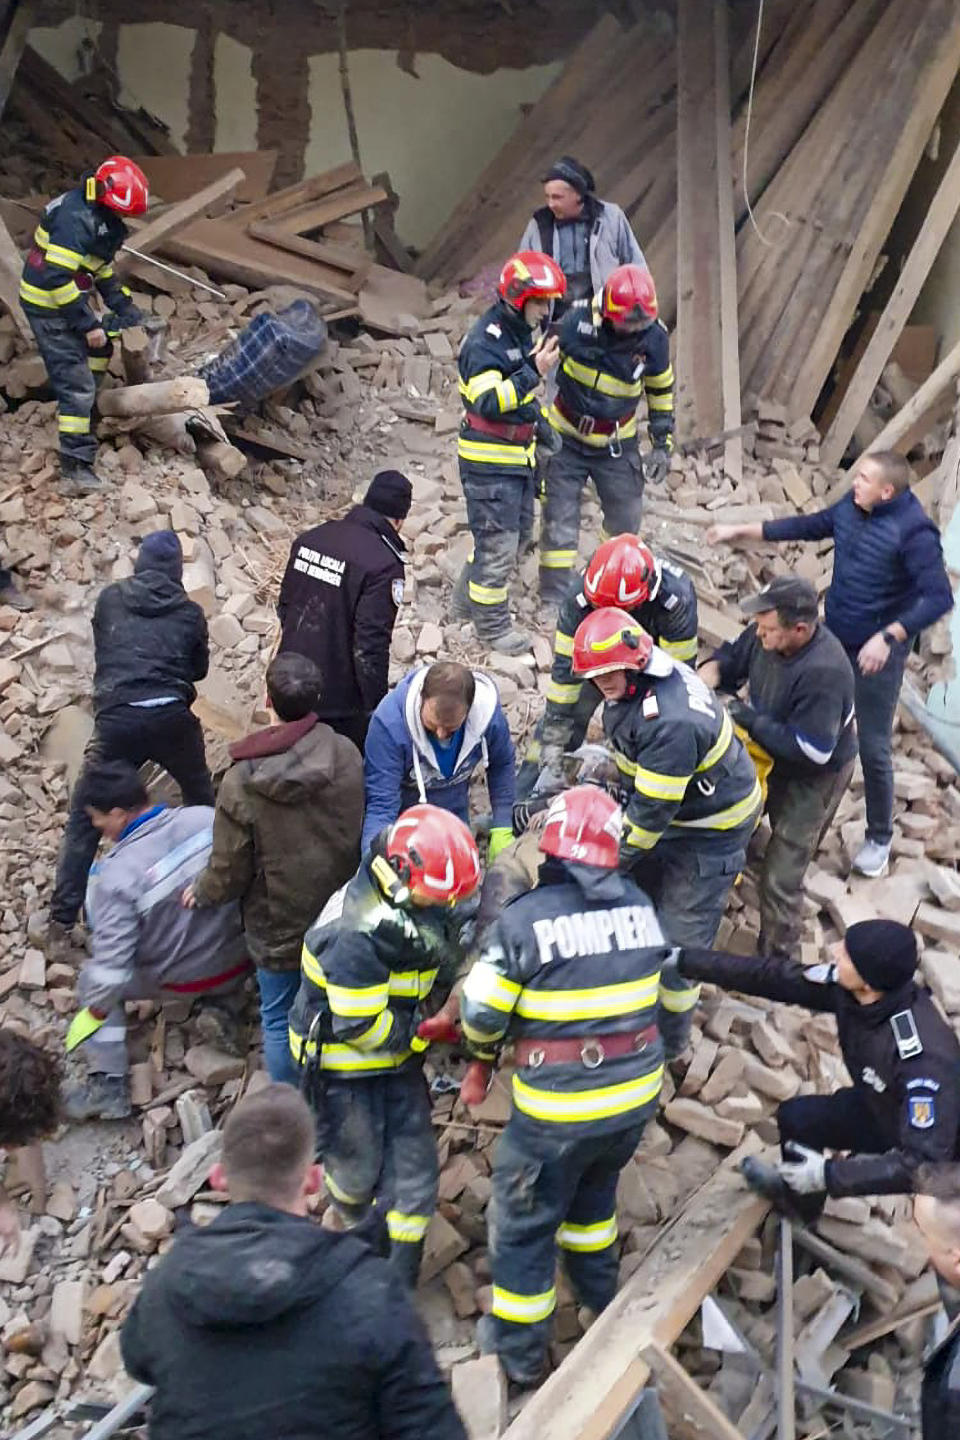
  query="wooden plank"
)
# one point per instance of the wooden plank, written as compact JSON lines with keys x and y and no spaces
{"x":289,"y":198}
{"x":354,"y":263}
{"x":337,"y":206}
{"x":937,"y":221}
{"x":230,"y":254}
{"x":729,"y":328}
{"x":155,"y":233}
{"x":268,"y":437}
{"x":178,"y":177}
{"x":15,"y":22}
{"x":588,"y":1395}
{"x":917,"y":406}
{"x":11,"y":265}
{"x":688,"y":1410}
{"x":923,"y":1298}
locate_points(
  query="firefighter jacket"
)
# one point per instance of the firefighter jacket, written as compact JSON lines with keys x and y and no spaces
{"x":367,"y":964}
{"x":338,"y":603}
{"x":580,"y":956}
{"x":681,"y":766}
{"x":73,"y":249}
{"x":602,"y":375}
{"x":669,"y":616}
{"x":498,"y":382}
{"x":902,"y":1055}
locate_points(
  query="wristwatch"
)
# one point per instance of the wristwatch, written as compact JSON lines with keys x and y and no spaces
{"x":890,"y":638}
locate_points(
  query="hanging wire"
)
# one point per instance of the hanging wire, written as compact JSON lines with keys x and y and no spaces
{"x":774,"y":214}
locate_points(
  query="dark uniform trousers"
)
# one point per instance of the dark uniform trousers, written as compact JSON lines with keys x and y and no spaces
{"x":377,"y":1146}
{"x":688,"y":875}
{"x":553,"y":1191}
{"x":618,"y":479}
{"x":172,"y":737}
{"x":800,"y":809}
{"x":73,"y":370}
{"x":499,"y":504}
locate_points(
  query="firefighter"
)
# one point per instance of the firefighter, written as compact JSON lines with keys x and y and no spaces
{"x":901,"y":1115}
{"x":501,"y":366}
{"x":73,"y":249}
{"x":369,"y":963}
{"x":611,"y":353}
{"x":691,"y":794}
{"x":623,"y":572}
{"x":573,"y":972}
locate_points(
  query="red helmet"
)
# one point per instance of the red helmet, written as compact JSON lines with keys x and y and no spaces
{"x":122,"y":186}
{"x":434,"y":855}
{"x":583,"y":824}
{"x":610,"y":640}
{"x":629,"y":294}
{"x":531,"y":275}
{"x":622,"y":572}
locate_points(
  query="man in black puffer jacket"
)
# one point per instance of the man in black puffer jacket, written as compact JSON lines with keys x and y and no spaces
{"x":150,"y":646}
{"x":266,"y":1326}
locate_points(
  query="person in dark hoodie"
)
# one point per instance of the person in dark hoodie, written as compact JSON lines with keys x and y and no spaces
{"x":339,"y":598}
{"x":286,"y":835}
{"x":150,"y":647}
{"x":264,"y":1324}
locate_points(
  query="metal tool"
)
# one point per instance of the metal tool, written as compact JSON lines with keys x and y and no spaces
{"x":171,"y":270}
{"x":786,"y":1395}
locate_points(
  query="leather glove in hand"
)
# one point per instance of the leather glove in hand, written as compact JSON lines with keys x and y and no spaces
{"x":741,"y":713}
{"x":656,"y":465}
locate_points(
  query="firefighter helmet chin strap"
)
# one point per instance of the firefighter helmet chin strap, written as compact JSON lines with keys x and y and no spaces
{"x":393,"y":883}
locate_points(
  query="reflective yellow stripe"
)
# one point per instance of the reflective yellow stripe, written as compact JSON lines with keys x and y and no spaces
{"x":354,"y":1004}
{"x":659,"y":402}
{"x":572,"y":1106}
{"x":730,"y":818}
{"x":343,"y":1196}
{"x":49,"y":299}
{"x":563,"y":694}
{"x":588,"y":1238}
{"x":720,"y":746}
{"x":660,"y":787}
{"x":102,"y":272}
{"x":600,"y":442}
{"x":409,"y":1229}
{"x":519,"y":456}
{"x":41,"y":237}
{"x":99,"y":363}
{"x":680,"y":649}
{"x":486,"y":986}
{"x":639,"y":839}
{"x":65,"y":259}
{"x":487,"y":594}
{"x":73,"y":424}
{"x":593,"y":1004}
{"x":557,"y":559}
{"x":602,"y":381}
{"x":376,"y":1035}
{"x":345,"y":1057}
{"x":623,"y":764}
{"x":563,"y":645}
{"x":312,"y":968}
{"x":661,"y":381}
{"x":523,"y":1309}
{"x":478,"y":385}
{"x":679,"y":1001}
{"x":479,"y":1037}
{"x":411,"y":984}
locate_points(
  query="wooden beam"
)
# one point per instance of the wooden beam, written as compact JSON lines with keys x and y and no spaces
{"x":333,"y":207}
{"x":178,"y":177}
{"x":156,"y":397}
{"x":15,"y":22}
{"x":354,"y":263}
{"x":11,"y":265}
{"x":272,"y":206}
{"x":587,"y":1397}
{"x":688,"y":1410}
{"x":729,"y":328}
{"x":155,"y":232}
{"x":928,"y":394}
{"x":939,"y":217}
{"x":229,"y":253}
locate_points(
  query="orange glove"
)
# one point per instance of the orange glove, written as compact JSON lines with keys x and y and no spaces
{"x":476,"y":1082}
{"x":440,"y":1027}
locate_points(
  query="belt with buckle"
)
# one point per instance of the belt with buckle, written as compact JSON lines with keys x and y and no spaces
{"x":587,"y":1050}
{"x":589,"y":424}
{"x":514,"y":434}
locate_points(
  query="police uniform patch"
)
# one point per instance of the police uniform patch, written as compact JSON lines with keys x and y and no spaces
{"x":922,"y":1109}
{"x":396,"y":590}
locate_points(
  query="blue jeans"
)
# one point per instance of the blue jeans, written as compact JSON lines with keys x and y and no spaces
{"x":278,"y":990}
{"x":875,"y":701}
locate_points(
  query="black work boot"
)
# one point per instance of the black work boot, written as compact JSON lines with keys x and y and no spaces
{"x":78,"y":478}
{"x":768,"y":1182}
{"x":98,"y":1097}
{"x":460,"y":607}
{"x":487,"y":1341}
{"x":14,"y":597}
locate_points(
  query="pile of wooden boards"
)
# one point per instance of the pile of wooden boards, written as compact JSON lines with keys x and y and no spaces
{"x":844,"y":98}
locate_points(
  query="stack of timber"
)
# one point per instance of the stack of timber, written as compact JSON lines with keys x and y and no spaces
{"x":823,"y":146}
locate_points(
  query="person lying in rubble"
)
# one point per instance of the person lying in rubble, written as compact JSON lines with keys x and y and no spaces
{"x":902,"y":1111}
{"x":145,"y":944}
{"x":29,"y":1112}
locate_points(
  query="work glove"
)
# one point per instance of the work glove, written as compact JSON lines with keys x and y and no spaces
{"x":656,"y":465}
{"x":741,"y":713}
{"x":476,"y":1082}
{"x":500,"y":838}
{"x":84,"y":1024}
{"x":440,"y":1028}
{"x":805,"y":1170}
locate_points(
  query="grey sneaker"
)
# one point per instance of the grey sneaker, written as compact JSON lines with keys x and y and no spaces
{"x":98,"y":1097}
{"x":872,"y":859}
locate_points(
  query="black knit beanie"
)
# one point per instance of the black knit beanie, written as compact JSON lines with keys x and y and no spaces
{"x":160,"y":550}
{"x":390,"y":493}
{"x":884,"y":952}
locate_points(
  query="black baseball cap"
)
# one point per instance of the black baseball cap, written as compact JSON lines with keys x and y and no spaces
{"x":790,"y":595}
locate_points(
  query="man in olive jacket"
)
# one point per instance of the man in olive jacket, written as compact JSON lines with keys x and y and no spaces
{"x":286,"y":835}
